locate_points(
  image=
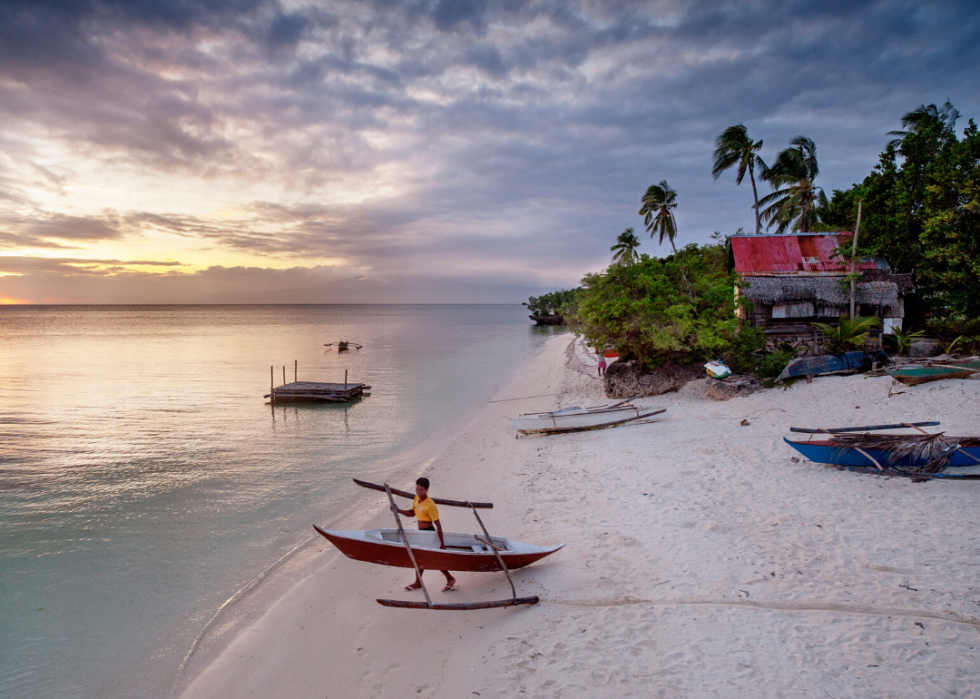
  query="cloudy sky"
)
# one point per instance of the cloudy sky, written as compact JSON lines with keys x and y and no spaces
{"x":193,"y":151}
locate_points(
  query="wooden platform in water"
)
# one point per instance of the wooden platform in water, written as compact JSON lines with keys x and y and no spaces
{"x":306,"y":391}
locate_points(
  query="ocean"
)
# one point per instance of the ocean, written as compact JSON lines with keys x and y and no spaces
{"x":144,"y":479}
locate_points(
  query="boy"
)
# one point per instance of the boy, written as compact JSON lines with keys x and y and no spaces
{"x":428,"y":515}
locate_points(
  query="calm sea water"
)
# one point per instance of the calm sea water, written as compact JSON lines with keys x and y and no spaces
{"x":144,"y":479}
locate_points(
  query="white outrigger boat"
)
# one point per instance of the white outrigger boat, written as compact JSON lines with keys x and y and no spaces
{"x":596,"y":417}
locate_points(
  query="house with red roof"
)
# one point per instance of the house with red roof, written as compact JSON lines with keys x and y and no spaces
{"x":797,"y":279}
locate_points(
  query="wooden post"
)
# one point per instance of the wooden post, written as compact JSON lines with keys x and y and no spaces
{"x":295,"y":370}
{"x":283,"y":374}
{"x":854,"y":251}
{"x":272,"y":384}
{"x":345,"y":380}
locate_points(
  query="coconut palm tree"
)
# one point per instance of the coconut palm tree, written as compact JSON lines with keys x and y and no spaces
{"x":923,"y":116}
{"x":625,"y":248}
{"x":657,"y":205}
{"x":797,"y":202}
{"x":734,"y":148}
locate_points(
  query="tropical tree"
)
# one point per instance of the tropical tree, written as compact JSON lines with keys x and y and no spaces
{"x":734,"y":148}
{"x":657,"y":204}
{"x":923,"y":117}
{"x":797,"y":198}
{"x":625,"y":248}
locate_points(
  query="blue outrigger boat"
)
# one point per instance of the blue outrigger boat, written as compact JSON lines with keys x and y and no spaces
{"x":914,"y":456}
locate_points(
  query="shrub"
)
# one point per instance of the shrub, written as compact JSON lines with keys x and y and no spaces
{"x":902,"y":340}
{"x":848,"y":334}
{"x":680,"y":308}
{"x":772,"y":364}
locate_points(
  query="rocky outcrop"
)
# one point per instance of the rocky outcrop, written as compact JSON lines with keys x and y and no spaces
{"x":552,"y":319}
{"x":732,"y":387}
{"x":628,"y":379}
{"x":923,"y":347}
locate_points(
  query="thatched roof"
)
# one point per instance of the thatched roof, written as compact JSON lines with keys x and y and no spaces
{"x":831,"y":291}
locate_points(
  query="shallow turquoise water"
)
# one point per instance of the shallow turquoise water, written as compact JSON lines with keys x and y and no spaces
{"x":144,"y":479}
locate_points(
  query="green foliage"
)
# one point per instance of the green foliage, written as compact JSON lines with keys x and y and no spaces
{"x":556,"y":302}
{"x":950,"y":347}
{"x":679,"y":308}
{"x":922,"y":211}
{"x":903,"y":339}
{"x":847,"y":335}
{"x":772,"y":364}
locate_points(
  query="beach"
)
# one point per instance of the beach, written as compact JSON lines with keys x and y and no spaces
{"x":700,"y":561}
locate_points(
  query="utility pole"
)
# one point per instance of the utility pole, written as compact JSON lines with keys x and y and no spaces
{"x":854,"y":252}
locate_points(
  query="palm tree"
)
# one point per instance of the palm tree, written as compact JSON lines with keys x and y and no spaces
{"x":796,"y":203}
{"x":657,"y":205}
{"x":625,"y":248}
{"x":923,"y":116}
{"x":734,"y":147}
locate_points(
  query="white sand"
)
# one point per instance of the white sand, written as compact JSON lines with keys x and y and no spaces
{"x":700,"y":562}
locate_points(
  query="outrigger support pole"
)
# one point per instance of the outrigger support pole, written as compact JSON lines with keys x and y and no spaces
{"x":496,"y":551}
{"x":408,"y":546}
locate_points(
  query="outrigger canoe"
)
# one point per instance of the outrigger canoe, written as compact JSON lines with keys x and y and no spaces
{"x":833,"y":452}
{"x":463,"y":552}
{"x":577,"y":419}
{"x":919,"y":456}
{"x":914,"y":375}
{"x":422,"y":550}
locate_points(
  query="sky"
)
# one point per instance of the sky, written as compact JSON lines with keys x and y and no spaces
{"x":427,"y":151}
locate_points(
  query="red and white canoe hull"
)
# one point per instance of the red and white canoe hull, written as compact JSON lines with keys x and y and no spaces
{"x":463,"y":551}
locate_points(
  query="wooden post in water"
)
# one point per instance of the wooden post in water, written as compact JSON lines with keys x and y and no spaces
{"x":272,"y":384}
{"x":283,"y":374}
{"x":295,"y":370}
{"x":345,"y":379}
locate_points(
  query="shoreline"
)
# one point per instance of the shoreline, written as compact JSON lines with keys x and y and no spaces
{"x":700,"y":561}
{"x":256,"y":597}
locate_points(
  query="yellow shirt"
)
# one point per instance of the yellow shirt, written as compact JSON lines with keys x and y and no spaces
{"x":426,"y":511}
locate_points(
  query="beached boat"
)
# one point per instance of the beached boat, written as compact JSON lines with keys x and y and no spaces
{"x":463,"y":552}
{"x":578,"y":419}
{"x":914,"y":375}
{"x":421,"y":550}
{"x":921,"y":455}
{"x":832,"y":364}
{"x":837,"y":453}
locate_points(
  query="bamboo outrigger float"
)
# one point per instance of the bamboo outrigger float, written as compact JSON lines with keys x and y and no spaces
{"x":421,"y":550}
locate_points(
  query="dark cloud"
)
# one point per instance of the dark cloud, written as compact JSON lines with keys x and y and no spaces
{"x":501,"y":134}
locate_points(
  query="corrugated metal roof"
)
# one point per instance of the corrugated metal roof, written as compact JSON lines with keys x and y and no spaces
{"x":801,"y":253}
